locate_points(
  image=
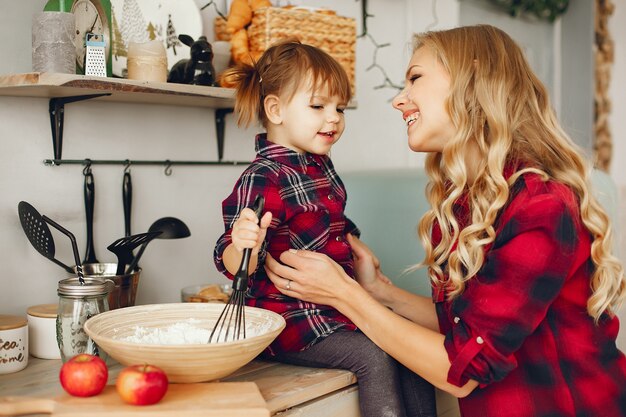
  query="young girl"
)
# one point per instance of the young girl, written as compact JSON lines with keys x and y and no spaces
{"x":525,"y":287}
{"x":299,"y":93}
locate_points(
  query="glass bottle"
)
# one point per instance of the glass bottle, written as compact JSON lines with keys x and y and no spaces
{"x":78,"y":303}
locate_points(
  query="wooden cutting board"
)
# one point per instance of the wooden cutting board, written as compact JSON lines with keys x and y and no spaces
{"x":223,"y":399}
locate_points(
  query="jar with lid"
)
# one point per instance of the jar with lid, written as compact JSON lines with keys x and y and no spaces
{"x":13,"y":343}
{"x":42,"y":339}
{"x":77,"y":303}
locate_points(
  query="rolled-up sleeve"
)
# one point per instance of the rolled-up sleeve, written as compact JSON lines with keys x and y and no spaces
{"x":524,"y":270}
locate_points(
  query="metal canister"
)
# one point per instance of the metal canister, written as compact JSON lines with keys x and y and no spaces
{"x":77,"y":303}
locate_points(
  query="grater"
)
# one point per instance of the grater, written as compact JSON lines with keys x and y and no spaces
{"x":95,"y":61}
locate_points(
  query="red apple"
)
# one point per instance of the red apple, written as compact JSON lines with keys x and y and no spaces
{"x":142,"y":384}
{"x":84,"y":375}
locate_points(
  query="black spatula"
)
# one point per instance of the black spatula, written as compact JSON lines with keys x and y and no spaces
{"x":124,"y":246}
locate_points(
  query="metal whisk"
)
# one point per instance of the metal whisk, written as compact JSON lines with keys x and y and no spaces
{"x":231,"y":324}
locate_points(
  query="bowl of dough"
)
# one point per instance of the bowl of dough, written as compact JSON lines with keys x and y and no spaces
{"x":175,"y":338}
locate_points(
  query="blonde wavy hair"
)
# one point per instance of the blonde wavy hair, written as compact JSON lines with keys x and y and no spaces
{"x":499,"y":107}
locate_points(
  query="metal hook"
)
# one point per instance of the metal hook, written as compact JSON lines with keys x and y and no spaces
{"x":127,"y":164}
{"x":168,"y":167}
{"x":87,"y":169}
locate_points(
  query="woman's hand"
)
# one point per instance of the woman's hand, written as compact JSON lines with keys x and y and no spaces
{"x":249,"y":232}
{"x":309,"y":276}
{"x":366,"y":266}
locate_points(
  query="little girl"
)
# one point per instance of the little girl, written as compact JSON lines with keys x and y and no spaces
{"x":299,"y":93}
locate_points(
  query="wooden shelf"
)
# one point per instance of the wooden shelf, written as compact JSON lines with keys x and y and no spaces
{"x":67,"y":88}
{"x":53,"y":85}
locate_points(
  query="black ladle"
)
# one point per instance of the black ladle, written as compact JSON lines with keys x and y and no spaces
{"x":170,"y":228}
{"x":38,"y":233}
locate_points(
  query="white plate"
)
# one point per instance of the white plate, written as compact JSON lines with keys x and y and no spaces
{"x":144,"y":20}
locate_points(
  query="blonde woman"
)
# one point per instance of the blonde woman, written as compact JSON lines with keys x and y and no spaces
{"x":521,"y":322}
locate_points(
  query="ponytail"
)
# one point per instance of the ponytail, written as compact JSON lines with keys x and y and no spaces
{"x":246,"y":80}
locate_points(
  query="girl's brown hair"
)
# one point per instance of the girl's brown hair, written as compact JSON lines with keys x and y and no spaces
{"x":499,"y":106}
{"x":280,"y":71}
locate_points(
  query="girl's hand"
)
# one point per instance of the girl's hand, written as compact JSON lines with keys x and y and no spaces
{"x":248,"y":232}
{"x":366,"y":265}
{"x":309,"y":276}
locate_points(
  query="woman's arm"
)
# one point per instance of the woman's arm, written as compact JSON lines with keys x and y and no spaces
{"x":316,"y":278}
{"x":417,"y":308}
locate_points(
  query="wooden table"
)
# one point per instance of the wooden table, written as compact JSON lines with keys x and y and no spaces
{"x":289,"y":390}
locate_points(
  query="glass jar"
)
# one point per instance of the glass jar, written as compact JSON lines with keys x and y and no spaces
{"x":78,"y":303}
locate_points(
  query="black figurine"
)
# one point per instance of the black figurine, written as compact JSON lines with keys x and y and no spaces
{"x":199,"y":68}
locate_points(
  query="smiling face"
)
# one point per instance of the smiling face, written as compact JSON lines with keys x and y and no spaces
{"x":422,"y":103}
{"x":311,"y":121}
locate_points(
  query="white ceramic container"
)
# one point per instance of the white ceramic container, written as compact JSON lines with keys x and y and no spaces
{"x":42,"y":334}
{"x":13,"y":343}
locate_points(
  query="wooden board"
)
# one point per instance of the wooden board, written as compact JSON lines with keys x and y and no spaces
{"x":225,"y":399}
{"x":52,"y":85}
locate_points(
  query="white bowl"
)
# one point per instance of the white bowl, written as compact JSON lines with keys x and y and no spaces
{"x":195,"y":362}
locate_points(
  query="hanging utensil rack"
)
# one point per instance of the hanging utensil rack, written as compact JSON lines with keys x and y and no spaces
{"x":166,"y":164}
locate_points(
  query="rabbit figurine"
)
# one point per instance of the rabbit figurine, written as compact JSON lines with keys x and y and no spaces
{"x":199,"y":68}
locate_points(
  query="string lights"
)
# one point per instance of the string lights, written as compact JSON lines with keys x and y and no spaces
{"x":387,"y":82}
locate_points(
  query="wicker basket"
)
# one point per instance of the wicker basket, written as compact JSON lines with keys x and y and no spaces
{"x":334,"y":34}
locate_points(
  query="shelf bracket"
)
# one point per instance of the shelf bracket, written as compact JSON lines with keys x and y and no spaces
{"x":56,"y":109}
{"x":220,"y":123}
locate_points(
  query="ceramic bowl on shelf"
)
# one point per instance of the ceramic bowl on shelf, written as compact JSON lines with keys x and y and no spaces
{"x":174,"y":337}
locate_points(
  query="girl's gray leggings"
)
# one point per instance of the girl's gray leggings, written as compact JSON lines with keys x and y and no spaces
{"x":386,"y":387}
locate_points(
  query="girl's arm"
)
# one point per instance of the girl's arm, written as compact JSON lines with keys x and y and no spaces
{"x":246,"y":233}
{"x":240,"y":223}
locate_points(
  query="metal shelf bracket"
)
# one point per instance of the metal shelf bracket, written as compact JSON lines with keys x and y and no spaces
{"x":56,"y":108}
{"x":220,"y":123}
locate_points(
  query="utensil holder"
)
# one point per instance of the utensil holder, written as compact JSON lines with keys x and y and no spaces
{"x":125,"y":290}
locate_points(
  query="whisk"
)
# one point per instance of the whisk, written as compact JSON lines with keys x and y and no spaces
{"x":232,"y":320}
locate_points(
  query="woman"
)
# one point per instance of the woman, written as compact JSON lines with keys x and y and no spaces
{"x":525,"y":287}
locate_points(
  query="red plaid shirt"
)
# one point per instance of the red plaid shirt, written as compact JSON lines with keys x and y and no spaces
{"x":307,"y":200}
{"x":521,"y":327}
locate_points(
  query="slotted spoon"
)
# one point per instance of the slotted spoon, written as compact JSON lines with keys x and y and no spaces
{"x":38,"y":233}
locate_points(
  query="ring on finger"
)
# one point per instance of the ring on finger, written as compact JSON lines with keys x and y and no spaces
{"x":288,"y":286}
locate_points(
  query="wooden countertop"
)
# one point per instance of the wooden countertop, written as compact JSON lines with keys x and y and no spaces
{"x":282,"y":386}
